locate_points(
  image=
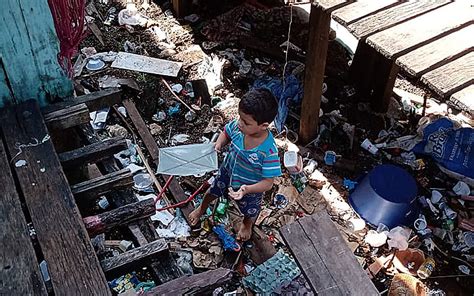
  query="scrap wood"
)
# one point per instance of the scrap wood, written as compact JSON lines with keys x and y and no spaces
{"x":141,"y":63}
{"x":96,"y":31}
{"x":176,"y":96}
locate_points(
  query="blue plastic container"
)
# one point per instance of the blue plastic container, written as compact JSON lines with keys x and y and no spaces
{"x":386,"y":195}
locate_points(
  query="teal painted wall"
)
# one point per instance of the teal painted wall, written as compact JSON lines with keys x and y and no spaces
{"x":29,"y":67}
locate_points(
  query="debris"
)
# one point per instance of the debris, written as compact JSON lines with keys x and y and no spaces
{"x":94,"y":65}
{"x":20,"y":163}
{"x":228,"y":241}
{"x":330,"y":157}
{"x":264,"y":213}
{"x":356,"y":224}
{"x":367,"y":145}
{"x":407,"y":285}
{"x":293,"y":162}
{"x":310,"y":166}
{"x":160,"y":116}
{"x":155,"y":129}
{"x":125,"y":245}
{"x":408,"y":261}
{"x":179,"y":139}
{"x":461,"y":188}
{"x":143,"y":182}
{"x":448,"y":145}
{"x":112,"y":81}
{"x":131,"y":17}
{"x":103,"y":203}
{"x":375,"y":239}
{"x":426,"y":268}
{"x":140,"y":63}
{"x":117,"y":131}
{"x":398,"y":238}
{"x":99,"y":118}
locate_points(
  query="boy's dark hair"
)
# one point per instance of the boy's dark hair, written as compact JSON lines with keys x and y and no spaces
{"x":261,"y":104}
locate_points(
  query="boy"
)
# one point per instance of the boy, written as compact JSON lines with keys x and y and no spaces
{"x":252,"y":163}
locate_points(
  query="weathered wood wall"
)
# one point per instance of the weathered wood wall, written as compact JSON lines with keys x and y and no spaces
{"x":29,"y":68}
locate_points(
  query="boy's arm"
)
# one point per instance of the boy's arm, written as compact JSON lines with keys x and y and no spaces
{"x":222,"y":141}
{"x":260,"y":187}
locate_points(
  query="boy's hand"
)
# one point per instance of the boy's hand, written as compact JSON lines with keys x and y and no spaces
{"x":239,"y":194}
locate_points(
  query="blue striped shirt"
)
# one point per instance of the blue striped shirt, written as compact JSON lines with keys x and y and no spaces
{"x":248,"y":167}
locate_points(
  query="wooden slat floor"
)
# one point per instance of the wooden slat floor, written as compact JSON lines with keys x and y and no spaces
{"x":41,"y":184}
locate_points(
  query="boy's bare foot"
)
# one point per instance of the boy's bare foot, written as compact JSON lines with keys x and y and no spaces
{"x":245,"y":231}
{"x":195,"y":216}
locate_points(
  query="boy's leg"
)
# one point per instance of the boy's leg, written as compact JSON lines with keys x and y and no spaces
{"x":250,"y":206}
{"x":245,"y":231}
{"x":195,"y":216}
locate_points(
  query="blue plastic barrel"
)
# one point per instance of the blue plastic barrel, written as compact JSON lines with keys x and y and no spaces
{"x":386,"y":195}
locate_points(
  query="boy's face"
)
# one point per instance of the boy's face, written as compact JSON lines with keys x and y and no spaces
{"x":249,"y":126}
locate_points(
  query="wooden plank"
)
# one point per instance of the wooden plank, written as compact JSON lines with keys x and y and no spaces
{"x":134,"y":258}
{"x":314,"y":73}
{"x":463,"y":99}
{"x":331,"y":5}
{"x":392,"y":16}
{"x":104,"y":184}
{"x":438,"y":53}
{"x":120,"y":216}
{"x":336,"y":255}
{"x":199,"y":284}
{"x":140,"y":63}
{"x":67,"y":117}
{"x":407,"y":36}
{"x":6,"y":95}
{"x":451,"y":77}
{"x":142,"y":129}
{"x":359,"y":9}
{"x":72,"y":262}
{"x":93,"y":152}
{"x":319,"y":277}
{"x":19,"y":272}
{"x":94,"y":101}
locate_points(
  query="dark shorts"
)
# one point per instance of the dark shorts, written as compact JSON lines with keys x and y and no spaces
{"x":249,"y":205}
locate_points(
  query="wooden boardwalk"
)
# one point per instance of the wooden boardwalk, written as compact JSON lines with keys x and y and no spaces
{"x":430,"y":41}
{"x":27,"y":156}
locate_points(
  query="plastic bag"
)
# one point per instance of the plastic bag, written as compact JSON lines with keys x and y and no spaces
{"x":451,"y":147}
{"x":187,"y":160}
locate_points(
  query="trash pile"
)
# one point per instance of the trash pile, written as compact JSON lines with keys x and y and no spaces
{"x":398,"y":185}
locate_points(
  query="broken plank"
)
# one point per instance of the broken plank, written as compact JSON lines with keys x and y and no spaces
{"x":336,"y":255}
{"x":96,"y":31}
{"x":94,"y":101}
{"x":93,"y":152}
{"x":198,"y":284}
{"x":140,"y":63}
{"x":68,"y":117}
{"x":438,"y":53}
{"x":412,"y":34}
{"x":392,"y":16}
{"x":19,"y":271}
{"x":451,"y":77}
{"x":133,"y":259}
{"x":66,"y":247}
{"x":120,"y":216}
{"x":463,"y":99}
{"x":142,"y":129}
{"x":330,"y":5}
{"x":359,"y":9}
{"x":104,"y":184}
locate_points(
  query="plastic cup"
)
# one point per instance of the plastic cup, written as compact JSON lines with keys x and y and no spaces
{"x":367,"y":145}
{"x":420,"y":223}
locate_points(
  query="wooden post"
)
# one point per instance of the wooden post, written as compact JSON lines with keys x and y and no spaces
{"x":319,"y":23}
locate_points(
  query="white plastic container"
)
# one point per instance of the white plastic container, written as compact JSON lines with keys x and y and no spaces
{"x":293,"y":162}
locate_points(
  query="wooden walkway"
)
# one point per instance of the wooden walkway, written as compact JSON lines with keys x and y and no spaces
{"x":430,"y":41}
{"x":35,"y":189}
